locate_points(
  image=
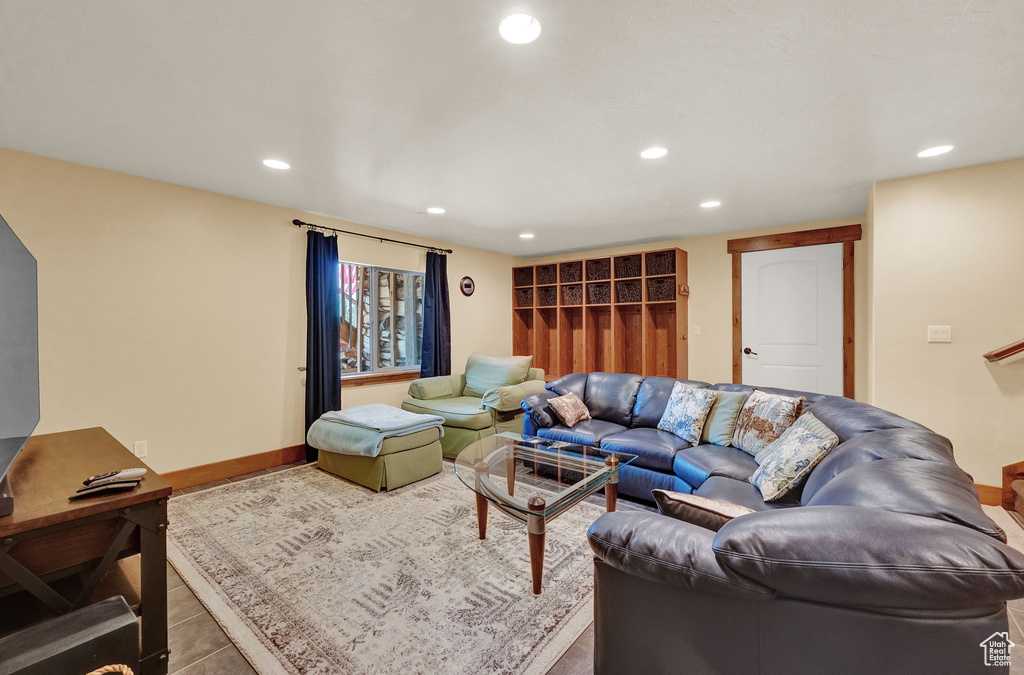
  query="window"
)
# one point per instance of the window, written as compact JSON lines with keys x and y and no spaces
{"x":381,"y":319}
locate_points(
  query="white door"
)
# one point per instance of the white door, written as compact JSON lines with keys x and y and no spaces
{"x":792,"y":318}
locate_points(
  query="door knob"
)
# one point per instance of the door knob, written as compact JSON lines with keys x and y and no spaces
{"x":746,"y":350}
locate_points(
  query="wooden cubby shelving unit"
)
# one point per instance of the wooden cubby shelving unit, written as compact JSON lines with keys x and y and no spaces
{"x":618,"y":314}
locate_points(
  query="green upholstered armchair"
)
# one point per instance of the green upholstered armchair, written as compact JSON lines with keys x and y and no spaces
{"x":469,"y":413}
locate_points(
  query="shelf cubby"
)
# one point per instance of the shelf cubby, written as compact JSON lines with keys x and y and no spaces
{"x":628,"y":331}
{"x":599,"y":269}
{"x":660,"y":262}
{"x":572,"y":294}
{"x":524,"y":298}
{"x":599,"y":293}
{"x":661,"y":289}
{"x":545,"y":350}
{"x":598,"y":327}
{"x":547,"y":296}
{"x":628,"y":266}
{"x":572,"y":350}
{"x":630,"y":290}
{"x":663,"y":347}
{"x":546,"y":274}
{"x":522,"y":332}
{"x":570,"y":272}
{"x":522,"y":276}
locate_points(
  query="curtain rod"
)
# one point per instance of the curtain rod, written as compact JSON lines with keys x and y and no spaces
{"x":299,"y":223}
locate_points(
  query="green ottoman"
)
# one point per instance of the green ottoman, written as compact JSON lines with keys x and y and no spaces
{"x":402,"y":460}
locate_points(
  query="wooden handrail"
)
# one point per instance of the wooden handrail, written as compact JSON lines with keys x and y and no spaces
{"x":1006,"y":352}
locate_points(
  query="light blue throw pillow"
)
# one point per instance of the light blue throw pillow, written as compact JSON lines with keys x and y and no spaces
{"x":810,"y":423}
{"x":686,"y":412}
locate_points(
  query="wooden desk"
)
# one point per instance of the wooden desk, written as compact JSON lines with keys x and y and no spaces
{"x":48,"y":537}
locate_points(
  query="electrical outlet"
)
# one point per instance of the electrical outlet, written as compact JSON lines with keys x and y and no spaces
{"x":140,"y":449}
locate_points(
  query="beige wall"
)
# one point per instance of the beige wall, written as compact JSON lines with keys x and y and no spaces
{"x":949,"y":250}
{"x":709,"y":275}
{"x":177,"y":316}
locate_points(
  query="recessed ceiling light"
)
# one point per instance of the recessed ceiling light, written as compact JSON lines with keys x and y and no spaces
{"x":519,"y":29}
{"x":276,"y":164}
{"x":526,"y":235}
{"x":654,"y":153}
{"x":710,"y":205}
{"x":937,"y":150}
{"x":436,"y":210}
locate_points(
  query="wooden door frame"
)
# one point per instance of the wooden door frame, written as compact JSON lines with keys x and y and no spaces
{"x":846,"y":235}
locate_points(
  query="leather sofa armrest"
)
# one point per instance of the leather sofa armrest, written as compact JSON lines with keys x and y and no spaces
{"x":442,"y":386}
{"x":668,"y":551}
{"x":504,"y":399}
{"x":866,"y":557}
{"x":536,"y":406}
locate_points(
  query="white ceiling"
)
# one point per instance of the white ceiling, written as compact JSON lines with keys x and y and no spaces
{"x":786,"y":111}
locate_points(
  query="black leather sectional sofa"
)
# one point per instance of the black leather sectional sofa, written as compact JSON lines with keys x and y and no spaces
{"x":884,"y":561}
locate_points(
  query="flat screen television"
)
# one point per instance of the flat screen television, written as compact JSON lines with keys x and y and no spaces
{"x":19,"y":354}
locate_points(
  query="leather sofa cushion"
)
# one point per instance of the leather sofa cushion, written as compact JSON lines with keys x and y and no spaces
{"x":914,"y":443}
{"x":587,"y":432}
{"x":611,"y":396}
{"x":810,"y":396}
{"x":652,"y":397}
{"x":934,"y":489}
{"x":463,"y":412}
{"x":654,"y":449}
{"x":573,"y":383}
{"x":865,"y":557}
{"x":849,"y":418}
{"x":696,"y":464}
{"x":739,"y":492}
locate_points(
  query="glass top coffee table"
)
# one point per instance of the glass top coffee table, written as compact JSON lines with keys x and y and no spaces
{"x":504,"y":469}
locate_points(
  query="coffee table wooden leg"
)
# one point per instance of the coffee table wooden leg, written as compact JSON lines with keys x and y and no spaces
{"x":611,"y":494}
{"x":510,"y":472}
{"x":537,"y":560}
{"x":481,"y":515}
{"x":611,"y":489}
{"x":535,"y":532}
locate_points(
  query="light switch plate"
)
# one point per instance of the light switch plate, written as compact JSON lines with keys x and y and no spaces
{"x":696,"y":330}
{"x":940,"y":333}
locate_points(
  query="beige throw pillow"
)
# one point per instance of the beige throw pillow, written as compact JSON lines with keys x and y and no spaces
{"x":763,"y":419}
{"x":570,"y":409}
{"x":711,"y":514}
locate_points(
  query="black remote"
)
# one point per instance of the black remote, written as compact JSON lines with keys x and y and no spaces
{"x":107,"y":487}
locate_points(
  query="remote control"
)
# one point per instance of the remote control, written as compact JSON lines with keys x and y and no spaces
{"x":106,"y":487}
{"x":114,"y":476}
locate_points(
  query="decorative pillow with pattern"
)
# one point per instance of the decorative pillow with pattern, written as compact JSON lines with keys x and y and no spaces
{"x":763,"y":419}
{"x":686,"y":412}
{"x":570,"y":409}
{"x":810,"y":423}
{"x":797,"y":452}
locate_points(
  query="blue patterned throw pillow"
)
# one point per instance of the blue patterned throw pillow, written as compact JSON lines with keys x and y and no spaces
{"x":795,"y":454}
{"x":686,"y":412}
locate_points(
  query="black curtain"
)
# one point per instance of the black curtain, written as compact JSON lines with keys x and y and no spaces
{"x":436,"y":358}
{"x":323,"y":330}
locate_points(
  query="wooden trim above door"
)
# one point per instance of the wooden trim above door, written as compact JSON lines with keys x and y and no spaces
{"x":847,"y":234}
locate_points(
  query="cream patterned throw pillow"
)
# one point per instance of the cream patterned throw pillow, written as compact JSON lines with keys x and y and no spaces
{"x":570,"y":409}
{"x":796,"y":453}
{"x":763,"y":419}
{"x":686,"y":412}
{"x":810,"y":423}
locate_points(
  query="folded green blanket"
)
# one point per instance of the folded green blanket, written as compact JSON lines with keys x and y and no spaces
{"x":361,"y":430}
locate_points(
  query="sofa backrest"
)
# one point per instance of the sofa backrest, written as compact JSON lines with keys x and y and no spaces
{"x":652,"y":398}
{"x":608,"y":396}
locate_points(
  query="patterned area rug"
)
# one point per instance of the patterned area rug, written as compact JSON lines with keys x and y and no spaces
{"x":308,"y":573}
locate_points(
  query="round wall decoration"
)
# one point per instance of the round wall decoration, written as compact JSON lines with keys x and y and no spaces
{"x":467,"y":286}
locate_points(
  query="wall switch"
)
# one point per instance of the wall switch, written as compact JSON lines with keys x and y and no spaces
{"x":140,"y":449}
{"x":696,"y":330}
{"x":940,"y":333}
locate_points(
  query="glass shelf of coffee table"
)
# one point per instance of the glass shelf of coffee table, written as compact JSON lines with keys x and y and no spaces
{"x":504,"y":470}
